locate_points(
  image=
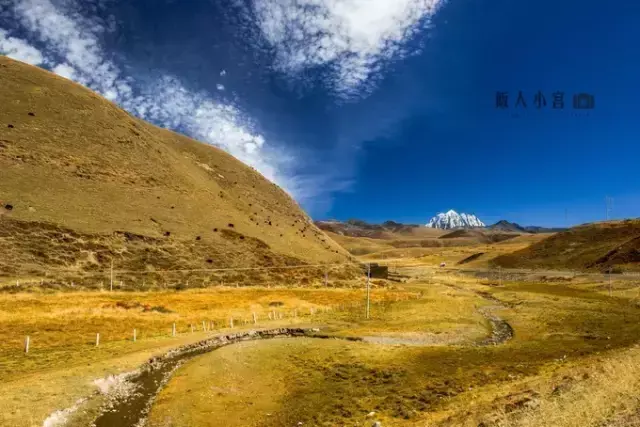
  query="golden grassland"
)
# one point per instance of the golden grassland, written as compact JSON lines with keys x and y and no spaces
{"x":595,"y":247}
{"x":451,"y":254}
{"x":572,"y":362}
{"x":569,"y":337}
{"x":63,"y":358}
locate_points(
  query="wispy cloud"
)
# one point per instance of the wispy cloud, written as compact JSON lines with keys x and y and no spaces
{"x":19,"y":49}
{"x":73,"y":50}
{"x":349,"y":41}
{"x":354,"y":38}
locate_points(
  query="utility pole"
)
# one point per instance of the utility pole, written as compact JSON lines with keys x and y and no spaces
{"x":610,"y":292}
{"x":609,"y":206}
{"x":368,"y":288}
{"x":111,"y":285}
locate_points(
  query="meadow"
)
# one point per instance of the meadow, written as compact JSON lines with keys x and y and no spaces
{"x":422,"y":359}
{"x":572,"y":362}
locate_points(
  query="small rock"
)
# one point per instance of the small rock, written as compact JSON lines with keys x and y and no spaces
{"x":371,"y":414}
{"x":376,"y":424}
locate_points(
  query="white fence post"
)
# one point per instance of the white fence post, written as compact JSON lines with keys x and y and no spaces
{"x":26,"y":344}
{"x":231,"y":322}
{"x":97,"y":339}
{"x":134,"y":335}
{"x":255,"y":320}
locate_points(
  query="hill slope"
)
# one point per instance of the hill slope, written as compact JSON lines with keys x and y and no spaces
{"x":598,"y":246}
{"x":84,"y":182}
{"x":510,"y":227}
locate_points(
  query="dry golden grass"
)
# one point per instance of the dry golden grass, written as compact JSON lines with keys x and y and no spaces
{"x":450,"y":255}
{"x":63,"y":359}
{"x":602,"y":393}
{"x":62,"y":326}
{"x":561,"y":332}
{"x":87,"y":182}
{"x":595,"y":247}
{"x":332,"y":378}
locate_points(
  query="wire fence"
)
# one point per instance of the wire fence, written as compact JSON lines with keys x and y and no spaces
{"x":97,"y":335}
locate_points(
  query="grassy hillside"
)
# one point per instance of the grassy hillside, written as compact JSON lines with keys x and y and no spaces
{"x":598,"y":246}
{"x":84,"y":182}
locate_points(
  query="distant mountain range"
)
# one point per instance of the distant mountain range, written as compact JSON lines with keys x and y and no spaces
{"x":516,"y":228}
{"x":452,"y":219}
{"x":359,"y":228}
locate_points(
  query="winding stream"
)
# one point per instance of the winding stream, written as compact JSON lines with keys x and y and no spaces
{"x":130,"y":409}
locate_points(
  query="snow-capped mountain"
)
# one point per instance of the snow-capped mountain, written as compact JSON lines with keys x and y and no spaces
{"x":453,"y":219}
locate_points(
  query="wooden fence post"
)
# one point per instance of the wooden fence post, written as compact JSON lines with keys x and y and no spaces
{"x":97,"y":339}
{"x":231,"y":322}
{"x":191,"y":328}
{"x":173,"y":332}
{"x":26,"y":344}
{"x":204,"y":327}
{"x":255,"y":320}
{"x":134,"y":335}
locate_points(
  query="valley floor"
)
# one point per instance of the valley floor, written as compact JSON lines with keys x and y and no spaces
{"x":430,"y":354}
{"x":573,"y":361}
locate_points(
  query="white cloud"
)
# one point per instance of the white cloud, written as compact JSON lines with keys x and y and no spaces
{"x":75,"y":40}
{"x":354,"y":37}
{"x":220,"y":86}
{"x":19,"y":49}
{"x":64,"y":70}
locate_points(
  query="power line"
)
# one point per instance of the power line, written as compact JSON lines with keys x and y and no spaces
{"x":207,"y":269}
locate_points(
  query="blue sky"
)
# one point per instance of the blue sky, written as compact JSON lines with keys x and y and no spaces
{"x":374,"y":109}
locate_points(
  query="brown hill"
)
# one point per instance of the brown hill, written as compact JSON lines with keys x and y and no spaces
{"x":480,"y":235}
{"x":83,"y":182}
{"x":598,"y":246}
